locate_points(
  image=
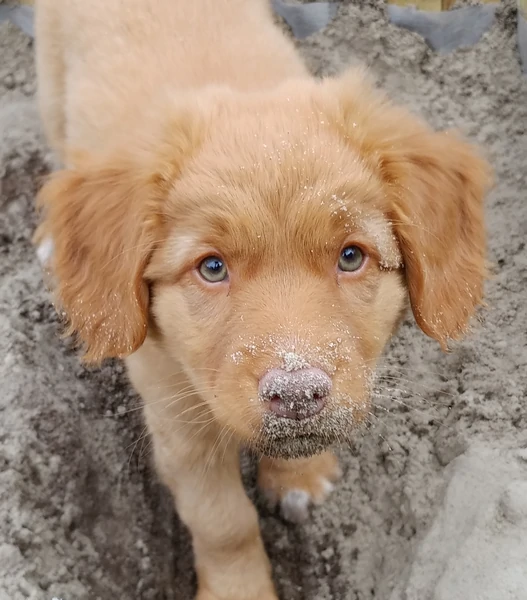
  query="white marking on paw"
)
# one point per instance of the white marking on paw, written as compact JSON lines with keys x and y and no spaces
{"x":295,"y":506}
{"x":45,"y":251}
{"x":327,"y":488}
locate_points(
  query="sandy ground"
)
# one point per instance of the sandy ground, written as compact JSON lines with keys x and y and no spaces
{"x":81,"y":514}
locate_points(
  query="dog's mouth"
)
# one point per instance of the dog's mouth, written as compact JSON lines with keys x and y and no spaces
{"x":281,"y":437}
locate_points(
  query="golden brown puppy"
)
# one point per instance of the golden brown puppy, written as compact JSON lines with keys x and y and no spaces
{"x":246,"y":236}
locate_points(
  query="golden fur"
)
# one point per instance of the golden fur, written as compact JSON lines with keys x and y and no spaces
{"x":190,"y":129}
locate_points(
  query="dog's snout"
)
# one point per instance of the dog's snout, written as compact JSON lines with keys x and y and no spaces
{"x":297,"y":394}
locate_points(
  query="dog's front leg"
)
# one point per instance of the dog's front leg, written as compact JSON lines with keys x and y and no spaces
{"x":203,"y":474}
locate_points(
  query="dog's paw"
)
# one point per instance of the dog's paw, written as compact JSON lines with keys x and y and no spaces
{"x":297,"y":484}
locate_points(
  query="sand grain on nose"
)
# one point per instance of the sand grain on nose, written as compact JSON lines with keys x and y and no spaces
{"x":296,"y":394}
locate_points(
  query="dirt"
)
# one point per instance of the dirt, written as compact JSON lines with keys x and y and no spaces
{"x":82,"y":515}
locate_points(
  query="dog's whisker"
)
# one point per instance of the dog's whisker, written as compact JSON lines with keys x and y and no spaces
{"x":142,"y":404}
{"x":426,"y":387}
{"x":143,"y":245}
{"x":410,"y":408}
{"x":412,"y":400}
{"x":411,"y":375}
{"x":226,"y":445}
{"x":146,"y":443}
{"x":212,"y":453}
{"x":179,"y":398}
{"x":144,"y":433}
{"x":194,"y":407}
{"x":176,"y":374}
{"x":391,"y":394}
{"x":379,"y":366}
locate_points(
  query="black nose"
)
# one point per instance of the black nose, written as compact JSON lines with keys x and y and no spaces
{"x":297,"y":394}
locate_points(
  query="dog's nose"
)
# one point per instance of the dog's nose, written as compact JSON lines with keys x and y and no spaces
{"x":297,"y":394}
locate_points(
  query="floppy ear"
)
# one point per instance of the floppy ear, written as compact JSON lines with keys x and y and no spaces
{"x":435,"y":186}
{"x":104,"y":218}
{"x":437,"y":189}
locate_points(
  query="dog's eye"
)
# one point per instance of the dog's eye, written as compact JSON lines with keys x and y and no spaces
{"x":213,"y":269}
{"x":351,"y":259}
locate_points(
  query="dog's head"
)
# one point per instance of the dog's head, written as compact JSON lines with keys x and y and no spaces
{"x":271,"y":241}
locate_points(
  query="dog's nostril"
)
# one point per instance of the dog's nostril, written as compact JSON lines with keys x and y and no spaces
{"x":296,"y":394}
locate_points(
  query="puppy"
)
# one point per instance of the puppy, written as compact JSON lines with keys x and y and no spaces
{"x":245,"y":237}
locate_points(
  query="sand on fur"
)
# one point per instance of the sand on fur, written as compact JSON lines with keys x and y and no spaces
{"x":82,"y":516}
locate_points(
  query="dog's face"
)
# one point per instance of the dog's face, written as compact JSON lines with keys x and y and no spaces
{"x":272,"y":241}
{"x":278,"y":281}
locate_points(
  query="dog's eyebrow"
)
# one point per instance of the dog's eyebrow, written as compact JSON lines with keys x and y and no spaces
{"x":180,"y":249}
{"x":371,"y":222}
{"x":380,"y":230}
{"x":375,"y":226}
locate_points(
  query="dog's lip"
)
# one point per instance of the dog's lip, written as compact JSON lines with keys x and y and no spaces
{"x":295,"y":414}
{"x":280,"y":427}
{"x":297,"y":436}
{"x":300,"y":445}
{"x":328,"y":422}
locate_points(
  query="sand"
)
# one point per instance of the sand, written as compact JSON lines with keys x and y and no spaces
{"x":432,"y":503}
